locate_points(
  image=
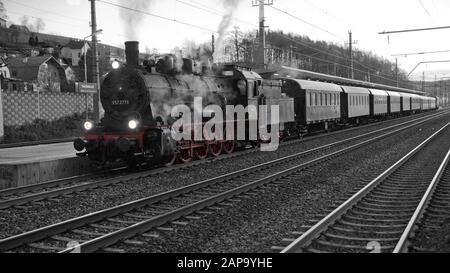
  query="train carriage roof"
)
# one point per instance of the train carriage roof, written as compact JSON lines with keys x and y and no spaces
{"x":316,"y":86}
{"x":355,"y":90}
{"x":406,"y":95}
{"x":394,"y":94}
{"x":377,"y":92}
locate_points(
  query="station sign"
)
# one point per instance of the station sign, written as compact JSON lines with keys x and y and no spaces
{"x":87,"y":88}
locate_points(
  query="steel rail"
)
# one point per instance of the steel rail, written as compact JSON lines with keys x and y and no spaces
{"x":104,"y":241}
{"x":114,"y":237}
{"x":315,"y":231}
{"x":83,"y":186}
{"x":402,"y":245}
{"x":73,"y":180}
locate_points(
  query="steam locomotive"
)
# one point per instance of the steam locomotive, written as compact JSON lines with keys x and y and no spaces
{"x":139,"y":100}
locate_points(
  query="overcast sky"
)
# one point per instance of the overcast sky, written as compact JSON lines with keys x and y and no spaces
{"x":333,"y":18}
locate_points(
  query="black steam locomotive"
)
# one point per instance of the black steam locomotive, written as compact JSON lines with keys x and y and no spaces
{"x":138,"y":101}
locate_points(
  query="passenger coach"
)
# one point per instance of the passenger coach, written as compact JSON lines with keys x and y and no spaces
{"x":316,"y":104}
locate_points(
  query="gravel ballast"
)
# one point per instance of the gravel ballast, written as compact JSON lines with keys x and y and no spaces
{"x":15,"y":221}
{"x":258,"y":223}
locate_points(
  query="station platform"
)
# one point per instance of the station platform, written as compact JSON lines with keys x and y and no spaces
{"x":23,"y":166}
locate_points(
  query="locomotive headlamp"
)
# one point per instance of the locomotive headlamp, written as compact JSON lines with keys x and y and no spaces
{"x":115,"y":64}
{"x":88,"y":125}
{"x":133,"y":124}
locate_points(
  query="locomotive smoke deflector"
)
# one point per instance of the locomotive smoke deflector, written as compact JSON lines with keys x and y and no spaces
{"x":132,"y":53}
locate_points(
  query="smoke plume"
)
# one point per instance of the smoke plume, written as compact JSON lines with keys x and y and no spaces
{"x":230,"y":7}
{"x":132,"y":20}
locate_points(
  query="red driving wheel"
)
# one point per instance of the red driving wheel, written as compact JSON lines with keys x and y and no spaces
{"x":185,"y":155}
{"x":228,"y":147}
{"x":201,"y":152}
{"x":215,"y":149}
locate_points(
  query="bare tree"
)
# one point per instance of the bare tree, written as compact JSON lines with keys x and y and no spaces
{"x":3,"y":13}
{"x":237,"y":41}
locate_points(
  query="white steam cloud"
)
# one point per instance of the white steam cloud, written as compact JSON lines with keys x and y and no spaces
{"x":133,"y":20}
{"x":230,"y":7}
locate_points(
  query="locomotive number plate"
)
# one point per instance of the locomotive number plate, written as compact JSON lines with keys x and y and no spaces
{"x":120,"y":102}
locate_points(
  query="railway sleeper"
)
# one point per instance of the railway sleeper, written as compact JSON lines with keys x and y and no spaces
{"x":134,"y":243}
{"x":370,"y":226}
{"x":66,"y":239}
{"x":384,"y":210}
{"x":360,"y":239}
{"x":46,"y":247}
{"x":368,"y":232}
{"x":391,"y":220}
{"x":118,"y":221}
{"x":397,"y":203}
{"x":344,"y":247}
{"x":114,"y":250}
{"x":393,"y":207}
{"x":382,"y":215}
{"x":87,"y":233}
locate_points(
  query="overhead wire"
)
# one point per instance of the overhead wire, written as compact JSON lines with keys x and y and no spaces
{"x":156,"y":16}
{"x":46,"y":11}
{"x":210,"y":10}
{"x":427,"y":12}
{"x":346,"y":58}
{"x":308,"y":23}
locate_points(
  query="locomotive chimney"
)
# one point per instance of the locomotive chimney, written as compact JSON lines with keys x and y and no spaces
{"x":132,"y":53}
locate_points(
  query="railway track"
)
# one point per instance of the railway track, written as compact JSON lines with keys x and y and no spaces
{"x":101,"y":230}
{"x":382,"y":216}
{"x":433,"y":211}
{"x":54,"y":190}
